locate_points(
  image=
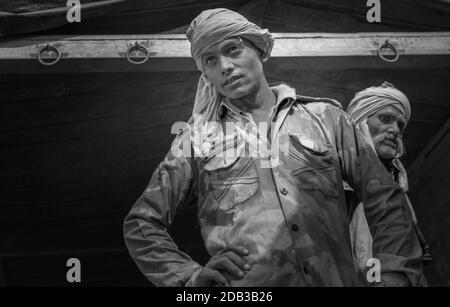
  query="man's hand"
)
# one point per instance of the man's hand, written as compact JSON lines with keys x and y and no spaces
{"x":223,"y":267}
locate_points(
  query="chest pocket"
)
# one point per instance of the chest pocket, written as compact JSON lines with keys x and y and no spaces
{"x":311,"y":163}
{"x":230,"y":176}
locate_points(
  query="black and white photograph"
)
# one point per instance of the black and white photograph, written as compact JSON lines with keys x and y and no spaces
{"x":231,"y":144}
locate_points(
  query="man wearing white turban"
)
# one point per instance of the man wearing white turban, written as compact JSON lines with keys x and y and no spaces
{"x":381,"y":113}
{"x":270,"y":215}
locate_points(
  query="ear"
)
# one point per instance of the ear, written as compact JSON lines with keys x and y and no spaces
{"x":264,"y":58}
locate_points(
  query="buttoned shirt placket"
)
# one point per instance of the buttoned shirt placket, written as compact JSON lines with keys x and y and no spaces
{"x":278,"y":115}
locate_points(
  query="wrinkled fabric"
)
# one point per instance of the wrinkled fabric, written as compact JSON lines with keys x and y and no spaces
{"x":292,"y":216}
{"x":365,"y":104}
{"x":212,"y":27}
{"x":369,"y":101}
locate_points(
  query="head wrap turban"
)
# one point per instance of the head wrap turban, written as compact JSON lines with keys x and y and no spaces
{"x":212,"y":27}
{"x":369,"y":101}
{"x":365,"y":104}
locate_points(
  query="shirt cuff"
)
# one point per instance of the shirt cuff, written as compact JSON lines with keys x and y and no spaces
{"x":192,"y":281}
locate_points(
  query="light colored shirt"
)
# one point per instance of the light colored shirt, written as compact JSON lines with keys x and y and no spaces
{"x":292,"y":216}
{"x":361,"y":238}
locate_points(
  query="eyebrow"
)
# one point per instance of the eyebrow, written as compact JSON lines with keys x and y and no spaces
{"x":206,"y":54}
{"x":390,"y":112}
{"x":227,"y":42}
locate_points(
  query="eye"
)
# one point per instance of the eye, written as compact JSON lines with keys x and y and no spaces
{"x":385,"y":119}
{"x":233,"y":49}
{"x":209,"y":60}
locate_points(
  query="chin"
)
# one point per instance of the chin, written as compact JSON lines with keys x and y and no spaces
{"x":386,"y":153}
{"x":236,"y":94}
{"x":242,"y":90}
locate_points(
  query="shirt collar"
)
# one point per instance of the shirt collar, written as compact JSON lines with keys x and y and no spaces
{"x":284,"y":94}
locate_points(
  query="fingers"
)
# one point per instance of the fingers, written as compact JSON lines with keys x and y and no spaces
{"x":209,"y":277}
{"x":236,"y":254}
{"x":237,"y":260}
{"x":218,"y":278}
{"x":238,"y":249}
{"x":230,"y":264}
{"x":225,"y":264}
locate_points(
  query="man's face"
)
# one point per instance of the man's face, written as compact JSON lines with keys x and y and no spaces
{"x":234,"y":67}
{"x":386,"y":128}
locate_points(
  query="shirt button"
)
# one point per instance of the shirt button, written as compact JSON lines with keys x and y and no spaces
{"x":294,"y":227}
{"x":283,"y":191}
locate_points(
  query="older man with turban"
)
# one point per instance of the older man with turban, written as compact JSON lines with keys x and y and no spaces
{"x":265,"y":168}
{"x":381,"y":113}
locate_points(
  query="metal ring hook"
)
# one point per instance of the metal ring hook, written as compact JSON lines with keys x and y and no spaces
{"x":137,"y":48}
{"x":388,"y":45}
{"x":49,"y":49}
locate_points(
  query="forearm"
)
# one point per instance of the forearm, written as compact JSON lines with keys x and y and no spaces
{"x":156,"y":254}
{"x":395,"y":242}
{"x":172,"y":186}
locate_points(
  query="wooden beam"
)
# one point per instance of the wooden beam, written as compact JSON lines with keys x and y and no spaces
{"x":171,"y":52}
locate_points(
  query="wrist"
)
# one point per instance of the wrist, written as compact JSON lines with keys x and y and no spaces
{"x":192,"y":281}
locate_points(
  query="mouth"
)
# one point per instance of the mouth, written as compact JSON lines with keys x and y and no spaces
{"x":390,"y":142}
{"x":230,"y":80}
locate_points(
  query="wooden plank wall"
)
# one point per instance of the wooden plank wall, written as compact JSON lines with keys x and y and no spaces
{"x":77,"y":150}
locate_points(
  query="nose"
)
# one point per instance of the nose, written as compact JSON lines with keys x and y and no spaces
{"x":394,"y":129}
{"x":226,"y":66}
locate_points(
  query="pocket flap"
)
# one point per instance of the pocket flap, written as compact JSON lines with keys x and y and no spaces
{"x":225,"y":154}
{"x":317,"y":146}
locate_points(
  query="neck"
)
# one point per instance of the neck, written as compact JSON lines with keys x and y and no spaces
{"x":261,"y":100}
